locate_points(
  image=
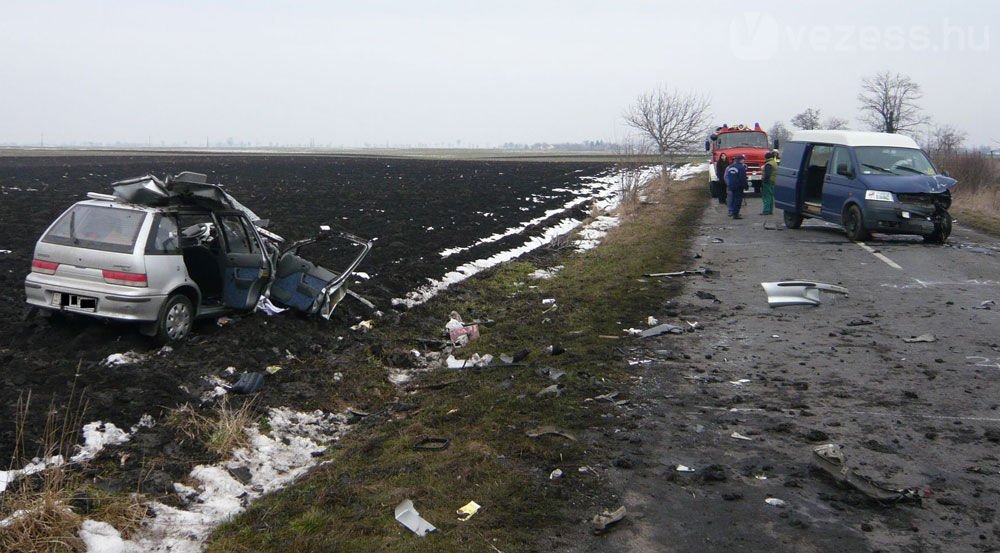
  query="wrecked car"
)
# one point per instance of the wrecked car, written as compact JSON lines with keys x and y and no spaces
{"x":165,"y":252}
{"x":865,"y":181}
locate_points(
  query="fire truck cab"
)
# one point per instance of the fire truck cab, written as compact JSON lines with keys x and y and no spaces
{"x":752,"y":142}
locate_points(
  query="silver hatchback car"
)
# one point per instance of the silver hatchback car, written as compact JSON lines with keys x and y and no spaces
{"x":162,"y":253}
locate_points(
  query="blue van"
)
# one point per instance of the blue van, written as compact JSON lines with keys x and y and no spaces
{"x":866,"y":181}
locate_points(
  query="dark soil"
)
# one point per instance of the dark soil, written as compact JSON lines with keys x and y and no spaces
{"x":413,"y":208}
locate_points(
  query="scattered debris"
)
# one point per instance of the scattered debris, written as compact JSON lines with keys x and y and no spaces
{"x":556,"y":474}
{"x":859,"y":322}
{"x":363,"y":326}
{"x":477,"y":361}
{"x":553,"y":390}
{"x":552,"y":374}
{"x":271,"y":369}
{"x":740,"y":382}
{"x":610,"y":396}
{"x":459,"y":332}
{"x":739,"y":436}
{"x":664,"y":328}
{"x":264,"y":304}
{"x":698,"y":271}
{"x":549,"y":301}
{"x":601,"y":521}
{"x":651,"y":321}
{"x":248,"y":383}
{"x":707,"y":296}
{"x":684,"y":468}
{"x":223,"y":321}
{"x":921,"y":338}
{"x":410,"y":518}
{"x":127,"y":358}
{"x":695,"y":325}
{"x":431,"y":443}
{"x":555,"y":349}
{"x":831,"y":459}
{"x":549,"y":431}
{"x":797,"y":292}
{"x":466,"y":512}
{"x":774,"y":502}
{"x":717,"y":240}
{"x":988,"y":304}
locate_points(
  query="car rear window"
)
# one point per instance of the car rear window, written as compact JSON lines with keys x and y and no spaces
{"x":97,"y":228}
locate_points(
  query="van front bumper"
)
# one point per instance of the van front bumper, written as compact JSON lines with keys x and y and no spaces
{"x":898,"y":218}
{"x":127,"y":304}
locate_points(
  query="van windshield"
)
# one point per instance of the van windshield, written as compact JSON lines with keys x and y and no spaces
{"x":881,"y":160}
{"x":753,"y":139}
{"x":97,"y":228}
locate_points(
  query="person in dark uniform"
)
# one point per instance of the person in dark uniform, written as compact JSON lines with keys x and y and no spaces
{"x":736,"y":181}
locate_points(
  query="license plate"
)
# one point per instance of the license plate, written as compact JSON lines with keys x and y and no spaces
{"x":74,"y":302}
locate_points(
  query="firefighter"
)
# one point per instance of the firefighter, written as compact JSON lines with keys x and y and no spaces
{"x":736,"y":181}
{"x":767,"y":184}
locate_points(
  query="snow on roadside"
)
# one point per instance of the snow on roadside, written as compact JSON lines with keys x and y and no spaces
{"x":215,"y":493}
{"x":601,"y":191}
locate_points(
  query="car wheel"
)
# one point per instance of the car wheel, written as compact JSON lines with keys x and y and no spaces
{"x":854,"y":224}
{"x":176,"y":318}
{"x":941,"y":231}
{"x":792,"y":220}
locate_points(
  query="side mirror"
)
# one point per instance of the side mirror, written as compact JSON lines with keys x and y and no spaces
{"x":777,"y":144}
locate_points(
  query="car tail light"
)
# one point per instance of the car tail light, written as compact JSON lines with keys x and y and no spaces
{"x":125,"y":279}
{"x":44,"y":267}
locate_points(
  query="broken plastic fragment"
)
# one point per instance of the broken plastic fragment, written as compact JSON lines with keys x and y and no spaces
{"x":739,"y":436}
{"x":601,"y":521}
{"x":740,"y":382}
{"x":651,"y":321}
{"x":797,"y":292}
{"x":664,"y":328}
{"x":466,"y":512}
{"x":831,"y":458}
{"x":549,"y":431}
{"x":774,"y":502}
{"x":921,"y":338}
{"x":271,"y":369}
{"x":684,"y":468}
{"x":555,"y":474}
{"x":410,"y":518}
{"x":553,"y":390}
{"x":364,"y":326}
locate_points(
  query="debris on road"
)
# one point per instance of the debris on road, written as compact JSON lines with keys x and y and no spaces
{"x":988,"y":304}
{"x":553,"y":390}
{"x":740,"y":382}
{"x":652,"y":321}
{"x":555,"y":474}
{"x":831,"y":459}
{"x":272,"y":369}
{"x":739,"y":436}
{"x":684,"y":468}
{"x":922,"y":338}
{"x":664,"y":328}
{"x":550,"y":373}
{"x":603,"y":520}
{"x":774,"y":502}
{"x":459,"y":332}
{"x":476,"y":361}
{"x":467,"y":510}
{"x":698,"y":271}
{"x":859,"y":322}
{"x":549,"y":431}
{"x":408,"y":516}
{"x":555,"y":349}
{"x":707,"y":296}
{"x":797,"y":292}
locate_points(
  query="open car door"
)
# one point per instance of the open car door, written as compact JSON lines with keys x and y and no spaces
{"x":246,"y":269}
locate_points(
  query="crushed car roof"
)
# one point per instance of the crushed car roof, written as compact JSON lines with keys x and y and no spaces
{"x":185,"y":188}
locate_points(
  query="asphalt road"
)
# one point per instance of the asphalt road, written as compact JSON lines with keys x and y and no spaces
{"x":920,"y":415}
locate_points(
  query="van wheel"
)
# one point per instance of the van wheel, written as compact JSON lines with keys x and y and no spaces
{"x":941,"y":231}
{"x":854,"y":224}
{"x":176,"y":318}
{"x":792,"y":220}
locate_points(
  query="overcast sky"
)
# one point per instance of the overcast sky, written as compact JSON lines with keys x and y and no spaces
{"x":483,"y":73}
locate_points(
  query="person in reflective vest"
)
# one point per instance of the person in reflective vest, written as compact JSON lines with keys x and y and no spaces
{"x":767,"y":184}
{"x":736,"y":182}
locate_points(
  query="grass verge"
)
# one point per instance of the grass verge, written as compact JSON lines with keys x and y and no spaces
{"x":347,"y":504}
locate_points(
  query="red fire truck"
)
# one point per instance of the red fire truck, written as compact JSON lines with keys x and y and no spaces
{"x":741,"y":139}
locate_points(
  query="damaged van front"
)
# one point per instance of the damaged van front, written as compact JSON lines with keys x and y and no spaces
{"x":867,"y":182}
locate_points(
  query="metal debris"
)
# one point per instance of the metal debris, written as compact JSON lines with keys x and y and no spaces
{"x":922,"y":338}
{"x":797,"y":292}
{"x":698,"y":271}
{"x":664,"y":328}
{"x":774,"y":502}
{"x":410,"y":518}
{"x":831,"y":459}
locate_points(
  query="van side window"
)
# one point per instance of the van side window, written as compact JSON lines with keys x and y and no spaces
{"x":841,"y":161}
{"x":163,"y":238}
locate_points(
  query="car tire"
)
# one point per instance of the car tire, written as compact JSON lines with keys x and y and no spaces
{"x":175,"y":320}
{"x":792,"y":220}
{"x":941,"y":232}
{"x":854,"y":224}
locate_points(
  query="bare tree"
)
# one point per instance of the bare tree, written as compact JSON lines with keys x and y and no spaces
{"x":888,"y":103}
{"x":779,"y":132}
{"x":834,"y":124}
{"x":631,"y":169}
{"x":807,"y":120}
{"x":945,"y":141}
{"x":672,"y":120}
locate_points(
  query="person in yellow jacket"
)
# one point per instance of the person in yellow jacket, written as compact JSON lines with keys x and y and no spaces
{"x":767,"y":185}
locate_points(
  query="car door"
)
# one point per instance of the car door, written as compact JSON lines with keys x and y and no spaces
{"x":245,"y":271}
{"x":840,"y":184}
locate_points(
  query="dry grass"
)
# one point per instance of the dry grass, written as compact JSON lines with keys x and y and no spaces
{"x":977,"y":195}
{"x":220,"y":431}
